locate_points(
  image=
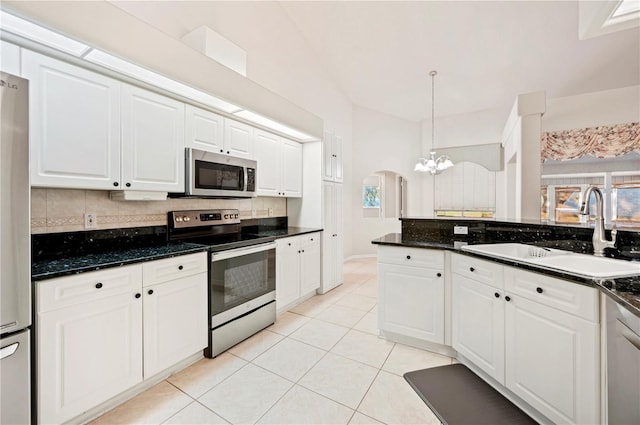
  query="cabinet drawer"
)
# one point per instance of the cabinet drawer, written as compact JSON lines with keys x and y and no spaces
{"x":53,"y":294}
{"x":417,"y":257}
{"x":572,"y":298}
{"x":480,"y":270}
{"x":173,"y":268}
{"x":309,"y":240}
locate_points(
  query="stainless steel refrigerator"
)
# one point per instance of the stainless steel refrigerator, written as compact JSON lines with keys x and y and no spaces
{"x":15,"y":255}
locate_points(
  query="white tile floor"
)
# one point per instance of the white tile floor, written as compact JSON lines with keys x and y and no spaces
{"x":321,"y":363}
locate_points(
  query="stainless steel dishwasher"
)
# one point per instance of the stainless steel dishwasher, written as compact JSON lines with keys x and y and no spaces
{"x":623,"y":365}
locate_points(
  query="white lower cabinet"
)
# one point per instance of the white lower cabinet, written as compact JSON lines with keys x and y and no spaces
{"x":538,"y":336}
{"x":410,"y":294}
{"x":297,"y":268}
{"x":478,"y":324}
{"x":90,"y":330}
{"x":332,"y":237}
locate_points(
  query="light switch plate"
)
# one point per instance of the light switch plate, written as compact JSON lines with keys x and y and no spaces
{"x":460,"y":230}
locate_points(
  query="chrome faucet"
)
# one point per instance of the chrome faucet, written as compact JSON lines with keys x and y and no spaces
{"x":600,"y":242}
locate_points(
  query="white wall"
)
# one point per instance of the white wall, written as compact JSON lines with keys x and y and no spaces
{"x":382,"y":143}
{"x":593,"y":109}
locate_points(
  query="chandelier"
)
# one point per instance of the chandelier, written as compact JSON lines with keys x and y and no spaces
{"x":432,"y":164}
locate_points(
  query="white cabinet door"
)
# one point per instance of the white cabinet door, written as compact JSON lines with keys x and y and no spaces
{"x":291,"y":169}
{"x":74,"y":125}
{"x":552,"y":361}
{"x":478,"y":324}
{"x":86,"y":354}
{"x":238,"y":139}
{"x":332,"y":237}
{"x":337,"y":159}
{"x":269,"y":157}
{"x":287,"y":271}
{"x":175,"y":321}
{"x":152,"y":141}
{"x":10,"y":54}
{"x":309,"y":263}
{"x":411,"y":302}
{"x":327,"y":156}
{"x":204,"y":130}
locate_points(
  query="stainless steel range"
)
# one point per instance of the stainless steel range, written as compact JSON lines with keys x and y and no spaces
{"x":242,"y":274}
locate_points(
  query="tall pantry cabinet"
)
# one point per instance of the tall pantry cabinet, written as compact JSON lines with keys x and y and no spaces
{"x":322,"y":186}
{"x":332,"y":216}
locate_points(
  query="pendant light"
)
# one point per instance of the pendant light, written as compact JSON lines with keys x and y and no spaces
{"x":432,"y":164}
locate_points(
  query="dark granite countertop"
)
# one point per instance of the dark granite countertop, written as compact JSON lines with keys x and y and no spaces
{"x":62,"y":255}
{"x":73,"y":264}
{"x":624,"y":290}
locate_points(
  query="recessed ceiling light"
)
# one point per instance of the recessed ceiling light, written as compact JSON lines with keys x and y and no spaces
{"x":626,"y":7}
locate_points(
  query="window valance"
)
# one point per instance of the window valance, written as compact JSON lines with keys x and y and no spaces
{"x":600,"y":142}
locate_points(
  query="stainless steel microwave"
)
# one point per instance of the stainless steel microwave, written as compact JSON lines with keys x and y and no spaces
{"x":213,"y":175}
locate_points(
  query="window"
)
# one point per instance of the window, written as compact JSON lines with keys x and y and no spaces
{"x":626,"y":203}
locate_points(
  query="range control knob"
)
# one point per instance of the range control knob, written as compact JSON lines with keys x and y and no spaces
{"x":186,"y":218}
{"x":178,"y":219}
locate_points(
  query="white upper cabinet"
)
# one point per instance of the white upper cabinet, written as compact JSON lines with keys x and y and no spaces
{"x":152,"y":141}
{"x":279,"y":165}
{"x":332,"y":157}
{"x":291,"y":169}
{"x":74,"y":125}
{"x":269,"y":160}
{"x":88,"y":131}
{"x":10,"y":58}
{"x":238,"y":139}
{"x":204,"y":130}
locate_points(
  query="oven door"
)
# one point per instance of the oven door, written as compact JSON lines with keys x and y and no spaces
{"x":241,"y":280}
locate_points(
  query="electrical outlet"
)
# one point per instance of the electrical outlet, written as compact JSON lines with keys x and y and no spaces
{"x":90,"y":221}
{"x":254,"y":213}
{"x":460,"y":230}
{"x":270,"y":212}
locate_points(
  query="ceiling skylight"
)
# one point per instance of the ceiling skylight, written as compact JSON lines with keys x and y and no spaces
{"x":626,"y":7}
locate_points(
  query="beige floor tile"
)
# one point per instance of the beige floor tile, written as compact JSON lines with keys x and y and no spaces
{"x":290,"y":359}
{"x":246,"y":395}
{"x":288,"y":322}
{"x":153,"y":406}
{"x":357,"y":301}
{"x":374,"y":309}
{"x":320,"y":334}
{"x":356,"y":277}
{"x":369,"y":324}
{"x":364,"y":347}
{"x":195,"y":413}
{"x":391,"y":400}
{"x":311,"y":308}
{"x":360,"y":419}
{"x":205,"y":374}
{"x":343,"y":380}
{"x":301,"y":406}
{"x":406,"y":359}
{"x":343,"y":316}
{"x":255,"y":345}
{"x":368,"y":289}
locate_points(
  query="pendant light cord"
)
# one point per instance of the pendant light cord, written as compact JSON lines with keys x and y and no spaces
{"x":433,"y":115}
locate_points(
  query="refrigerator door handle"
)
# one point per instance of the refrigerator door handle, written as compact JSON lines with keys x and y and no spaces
{"x":9,"y":350}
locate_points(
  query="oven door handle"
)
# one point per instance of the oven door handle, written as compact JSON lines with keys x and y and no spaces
{"x":223,"y":255}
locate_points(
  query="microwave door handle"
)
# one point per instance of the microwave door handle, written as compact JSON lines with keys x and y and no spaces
{"x":245,"y":179}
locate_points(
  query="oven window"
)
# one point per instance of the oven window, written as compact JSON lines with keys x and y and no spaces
{"x":234,"y":281}
{"x":210,"y":175}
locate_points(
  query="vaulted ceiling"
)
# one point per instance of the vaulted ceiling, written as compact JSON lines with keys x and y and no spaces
{"x":379,"y":54}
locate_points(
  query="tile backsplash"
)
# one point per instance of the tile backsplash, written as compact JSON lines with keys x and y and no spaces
{"x":62,"y":210}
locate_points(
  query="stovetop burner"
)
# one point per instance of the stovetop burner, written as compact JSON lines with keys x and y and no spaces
{"x":218,"y":229}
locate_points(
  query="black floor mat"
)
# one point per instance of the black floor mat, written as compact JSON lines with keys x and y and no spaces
{"x":459,"y":397}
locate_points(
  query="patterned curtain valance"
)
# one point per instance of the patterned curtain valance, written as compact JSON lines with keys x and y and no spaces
{"x":600,"y":142}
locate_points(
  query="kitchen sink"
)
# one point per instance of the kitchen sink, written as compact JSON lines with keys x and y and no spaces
{"x":566,"y":261}
{"x":515,"y":251}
